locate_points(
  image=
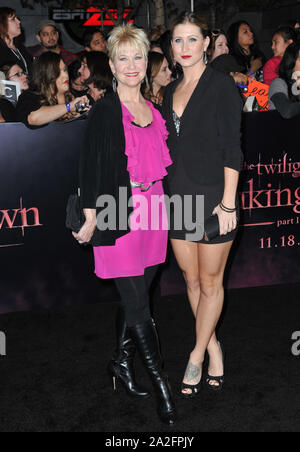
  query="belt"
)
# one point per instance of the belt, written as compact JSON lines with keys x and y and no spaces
{"x":141,"y":186}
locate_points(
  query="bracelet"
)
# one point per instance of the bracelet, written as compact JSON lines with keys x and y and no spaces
{"x":227,"y":209}
{"x":68,"y":107}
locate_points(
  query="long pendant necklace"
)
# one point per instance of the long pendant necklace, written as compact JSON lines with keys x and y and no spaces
{"x":20,"y":57}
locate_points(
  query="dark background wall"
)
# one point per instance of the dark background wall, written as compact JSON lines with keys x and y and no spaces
{"x":43,"y":266}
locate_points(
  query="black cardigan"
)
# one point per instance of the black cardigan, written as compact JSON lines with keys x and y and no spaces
{"x":103,"y":163}
{"x":210,"y":136}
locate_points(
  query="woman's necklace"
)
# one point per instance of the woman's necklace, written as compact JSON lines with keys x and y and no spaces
{"x":20,"y":57}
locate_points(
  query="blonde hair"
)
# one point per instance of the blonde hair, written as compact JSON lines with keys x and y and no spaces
{"x":127,"y":34}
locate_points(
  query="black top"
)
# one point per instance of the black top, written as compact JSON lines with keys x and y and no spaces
{"x":210,"y":127}
{"x":202,"y":142}
{"x":103,"y":163}
{"x":8,"y":56}
{"x":7,"y":110}
{"x":244,"y":61}
{"x":27,"y":103}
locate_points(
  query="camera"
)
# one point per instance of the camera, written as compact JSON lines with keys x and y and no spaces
{"x":80,"y":106}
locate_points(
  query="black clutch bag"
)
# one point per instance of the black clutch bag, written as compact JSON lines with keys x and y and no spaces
{"x":75,"y":217}
{"x":74,"y":214}
{"x":211,"y":228}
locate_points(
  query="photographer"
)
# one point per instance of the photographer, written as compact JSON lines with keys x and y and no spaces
{"x":49,"y":98}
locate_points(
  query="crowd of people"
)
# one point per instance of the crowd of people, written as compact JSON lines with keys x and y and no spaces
{"x":87,"y":76}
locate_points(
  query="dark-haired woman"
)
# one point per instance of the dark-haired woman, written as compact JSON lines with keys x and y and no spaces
{"x":77,"y":87}
{"x":96,"y":74}
{"x":282,"y":38}
{"x":203,"y":116}
{"x":49,"y":98}
{"x":243,"y":46}
{"x":159,"y":76}
{"x":10,"y":49}
{"x":284,"y":94}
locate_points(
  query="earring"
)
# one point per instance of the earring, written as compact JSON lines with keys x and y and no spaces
{"x":114,"y":83}
{"x":205,"y":57}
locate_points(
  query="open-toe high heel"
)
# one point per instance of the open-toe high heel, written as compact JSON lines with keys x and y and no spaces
{"x":219,"y":379}
{"x":194,"y":389}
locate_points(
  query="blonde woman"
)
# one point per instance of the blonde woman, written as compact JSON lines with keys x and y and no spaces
{"x":125,"y":148}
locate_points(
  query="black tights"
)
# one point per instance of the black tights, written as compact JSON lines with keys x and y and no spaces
{"x":134,"y":291}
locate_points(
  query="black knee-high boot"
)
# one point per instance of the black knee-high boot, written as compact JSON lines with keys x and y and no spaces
{"x":121,"y":367}
{"x":146,"y":339}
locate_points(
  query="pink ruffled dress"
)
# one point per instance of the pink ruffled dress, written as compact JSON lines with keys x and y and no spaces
{"x":146,"y":244}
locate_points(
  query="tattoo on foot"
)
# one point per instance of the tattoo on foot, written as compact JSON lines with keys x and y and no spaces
{"x":192,"y":372}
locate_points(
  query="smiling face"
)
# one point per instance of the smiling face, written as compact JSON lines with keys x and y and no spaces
{"x":221,"y":47}
{"x":279,"y":45}
{"x":188,"y":45}
{"x":129,"y":66}
{"x":16,"y":74}
{"x":62,"y":82}
{"x":13,"y":26}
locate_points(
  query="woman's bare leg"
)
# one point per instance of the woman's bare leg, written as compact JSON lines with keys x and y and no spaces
{"x":186,"y":254}
{"x":212,"y":262}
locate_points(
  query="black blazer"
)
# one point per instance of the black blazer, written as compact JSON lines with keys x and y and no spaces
{"x":210,"y":133}
{"x":103,"y":163}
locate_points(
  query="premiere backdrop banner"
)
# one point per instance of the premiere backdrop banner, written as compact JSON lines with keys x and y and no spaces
{"x":43,"y":266}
